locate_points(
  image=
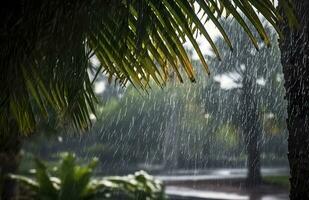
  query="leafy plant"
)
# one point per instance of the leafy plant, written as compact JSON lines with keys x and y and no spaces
{"x":72,"y":181}
{"x":135,"y":41}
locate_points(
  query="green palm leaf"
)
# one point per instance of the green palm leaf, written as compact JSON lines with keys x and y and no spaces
{"x":47,"y":46}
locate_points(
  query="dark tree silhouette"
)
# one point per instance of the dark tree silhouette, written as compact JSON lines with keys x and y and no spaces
{"x":295,"y":61}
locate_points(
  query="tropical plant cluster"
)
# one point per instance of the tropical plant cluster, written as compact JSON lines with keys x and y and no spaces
{"x":69,"y":180}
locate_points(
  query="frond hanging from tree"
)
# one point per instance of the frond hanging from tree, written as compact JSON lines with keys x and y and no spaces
{"x":46,"y":48}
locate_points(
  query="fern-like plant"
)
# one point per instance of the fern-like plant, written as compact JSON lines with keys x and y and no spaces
{"x":70,"y":181}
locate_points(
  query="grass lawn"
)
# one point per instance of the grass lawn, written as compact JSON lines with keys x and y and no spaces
{"x":278,"y":180}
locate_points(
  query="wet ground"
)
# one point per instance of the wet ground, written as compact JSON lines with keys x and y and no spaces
{"x":222,"y":184}
{"x":215,"y":174}
{"x":223,"y":193}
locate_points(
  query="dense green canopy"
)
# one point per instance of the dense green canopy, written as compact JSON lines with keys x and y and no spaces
{"x":46,"y":48}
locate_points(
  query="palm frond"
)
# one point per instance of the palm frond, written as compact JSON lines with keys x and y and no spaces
{"x":46,"y":48}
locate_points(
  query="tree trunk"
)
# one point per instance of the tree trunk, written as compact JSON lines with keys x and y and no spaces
{"x":10,"y":145}
{"x":294,"y":58}
{"x":254,"y":161}
{"x":171,"y":138}
{"x":251,"y":129}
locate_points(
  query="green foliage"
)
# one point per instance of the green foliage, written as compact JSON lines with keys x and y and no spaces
{"x":47,"y":47}
{"x":72,"y":181}
{"x":278,"y":180}
{"x":131,"y":129}
{"x":227,"y":136}
{"x":141,"y":124}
